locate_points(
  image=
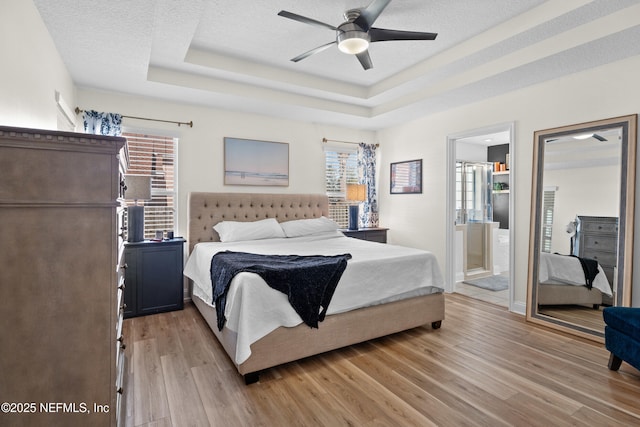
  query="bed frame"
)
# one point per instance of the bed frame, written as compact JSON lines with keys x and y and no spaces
{"x":288,"y":344}
{"x":549,"y":294}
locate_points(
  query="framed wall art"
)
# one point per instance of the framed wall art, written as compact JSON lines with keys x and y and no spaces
{"x":406,"y":177}
{"x":251,"y":162}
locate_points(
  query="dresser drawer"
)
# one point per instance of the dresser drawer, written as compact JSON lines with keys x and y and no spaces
{"x":599,"y":227}
{"x":120,"y":298}
{"x":600,"y":243}
{"x":604,"y":258}
{"x":120,"y":386}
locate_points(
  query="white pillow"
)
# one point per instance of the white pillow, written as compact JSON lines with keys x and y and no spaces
{"x":306,"y":227}
{"x":234,"y":231}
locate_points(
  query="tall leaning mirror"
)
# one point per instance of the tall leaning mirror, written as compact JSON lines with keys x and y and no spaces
{"x":581,"y":241}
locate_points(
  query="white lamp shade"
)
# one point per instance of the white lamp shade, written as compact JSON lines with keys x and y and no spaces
{"x":138,"y":187}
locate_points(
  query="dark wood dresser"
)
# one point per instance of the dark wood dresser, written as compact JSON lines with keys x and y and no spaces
{"x":61,"y":310}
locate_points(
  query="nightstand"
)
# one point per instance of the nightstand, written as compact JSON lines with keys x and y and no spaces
{"x":371,"y":234}
{"x":153,"y":277}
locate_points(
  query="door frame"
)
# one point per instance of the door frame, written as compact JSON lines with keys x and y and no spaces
{"x":450,"y":274}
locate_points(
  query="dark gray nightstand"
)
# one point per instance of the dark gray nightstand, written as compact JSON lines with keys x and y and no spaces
{"x":371,"y":234}
{"x":153,"y":277}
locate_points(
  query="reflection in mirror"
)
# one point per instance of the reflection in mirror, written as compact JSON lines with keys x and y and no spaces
{"x":581,"y":224}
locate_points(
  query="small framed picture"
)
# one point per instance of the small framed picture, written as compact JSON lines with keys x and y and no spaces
{"x":406,"y":177}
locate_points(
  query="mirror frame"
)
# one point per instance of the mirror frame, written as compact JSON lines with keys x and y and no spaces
{"x":628,"y":124}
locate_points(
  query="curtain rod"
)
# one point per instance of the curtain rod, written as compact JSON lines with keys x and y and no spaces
{"x":78,"y":111}
{"x":325,"y":140}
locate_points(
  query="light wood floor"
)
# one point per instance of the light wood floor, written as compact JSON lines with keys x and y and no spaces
{"x":585,"y":316}
{"x":484,"y":367}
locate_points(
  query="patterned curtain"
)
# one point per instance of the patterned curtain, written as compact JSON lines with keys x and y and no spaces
{"x":367,"y":173}
{"x":102,"y":123}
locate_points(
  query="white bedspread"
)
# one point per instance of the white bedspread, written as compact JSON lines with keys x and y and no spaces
{"x":567,"y":270}
{"x":377,"y":273}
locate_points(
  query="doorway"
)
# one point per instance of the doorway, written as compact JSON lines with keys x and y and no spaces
{"x":474,"y":215}
{"x":480,"y":206}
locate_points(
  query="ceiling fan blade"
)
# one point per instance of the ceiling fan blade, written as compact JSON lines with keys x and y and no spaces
{"x":365,"y":60}
{"x":313,"y":51}
{"x":305,"y":20}
{"x":369,"y":14}
{"x":599,"y":138}
{"x":381,"y":34}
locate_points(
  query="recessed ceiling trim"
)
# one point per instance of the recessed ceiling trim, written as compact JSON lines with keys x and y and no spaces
{"x":214,"y":61}
{"x":192,"y":81}
{"x":516,"y":25}
{"x":578,"y":36}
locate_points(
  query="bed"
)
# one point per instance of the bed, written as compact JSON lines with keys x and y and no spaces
{"x":562,"y":282}
{"x":379,"y":314}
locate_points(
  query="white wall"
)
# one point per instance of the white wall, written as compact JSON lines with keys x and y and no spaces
{"x":418,"y":220}
{"x":581,"y":191}
{"x":31,"y":71}
{"x":200,"y":149}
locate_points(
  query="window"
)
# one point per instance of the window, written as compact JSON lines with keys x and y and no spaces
{"x":341,"y":168}
{"x":549,"y":197}
{"x":155,"y":156}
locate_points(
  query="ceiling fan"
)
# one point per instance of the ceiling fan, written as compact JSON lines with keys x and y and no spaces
{"x":354,"y":35}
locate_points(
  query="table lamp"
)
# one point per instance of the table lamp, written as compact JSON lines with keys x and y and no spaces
{"x":355,"y":193}
{"x":137,"y":188}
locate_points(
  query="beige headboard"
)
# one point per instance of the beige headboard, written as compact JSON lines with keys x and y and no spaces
{"x":208,"y":209}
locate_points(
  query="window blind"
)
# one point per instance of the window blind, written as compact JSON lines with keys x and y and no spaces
{"x":341,"y":168}
{"x":155,"y":156}
{"x":548,"y":201}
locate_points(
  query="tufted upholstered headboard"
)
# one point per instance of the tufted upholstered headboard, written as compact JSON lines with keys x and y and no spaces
{"x":208,"y":209}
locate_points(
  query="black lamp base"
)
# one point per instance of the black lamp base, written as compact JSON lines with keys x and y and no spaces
{"x":135,"y":224}
{"x":354,"y":210}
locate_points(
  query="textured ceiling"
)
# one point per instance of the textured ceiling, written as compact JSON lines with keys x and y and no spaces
{"x":236,"y":54}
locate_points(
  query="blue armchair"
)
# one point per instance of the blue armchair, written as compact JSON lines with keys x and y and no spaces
{"x":622,"y":335}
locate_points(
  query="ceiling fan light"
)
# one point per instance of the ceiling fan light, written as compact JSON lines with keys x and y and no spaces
{"x":583,"y":136}
{"x":353,"y":42}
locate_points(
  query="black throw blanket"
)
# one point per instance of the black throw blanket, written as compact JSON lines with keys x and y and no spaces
{"x":308,"y":281}
{"x":590,"y":268}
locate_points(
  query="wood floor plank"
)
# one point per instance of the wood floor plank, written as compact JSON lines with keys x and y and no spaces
{"x":427,"y":400}
{"x":219,"y":405}
{"x":150,"y":398}
{"x":182,"y":394}
{"x":484,"y":367}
